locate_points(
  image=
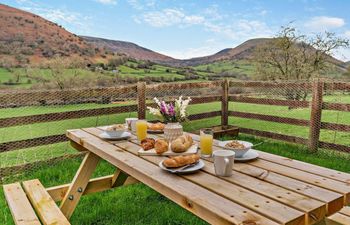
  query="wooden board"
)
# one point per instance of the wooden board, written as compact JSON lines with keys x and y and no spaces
{"x":44,"y":205}
{"x":335,"y":186}
{"x":209,"y":206}
{"x":79,"y":183}
{"x":345,"y":211}
{"x":338,"y":219}
{"x":21,"y":210}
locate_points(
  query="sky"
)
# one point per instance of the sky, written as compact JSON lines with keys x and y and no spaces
{"x":192,"y":28}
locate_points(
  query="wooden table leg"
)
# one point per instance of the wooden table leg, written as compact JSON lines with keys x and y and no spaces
{"x":79,"y":183}
{"x":119,"y":178}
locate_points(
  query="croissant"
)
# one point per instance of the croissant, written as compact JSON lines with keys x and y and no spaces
{"x":161,"y":146}
{"x":178,"y":161}
{"x":182,"y":143}
{"x":147,"y":143}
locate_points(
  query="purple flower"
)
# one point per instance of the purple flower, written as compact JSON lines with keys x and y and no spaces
{"x":171,"y":110}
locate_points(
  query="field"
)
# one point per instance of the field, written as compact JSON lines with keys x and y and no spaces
{"x":243,"y":67}
{"x":20,"y":78}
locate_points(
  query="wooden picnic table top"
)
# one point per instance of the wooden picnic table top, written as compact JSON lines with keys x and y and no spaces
{"x":269,"y":190}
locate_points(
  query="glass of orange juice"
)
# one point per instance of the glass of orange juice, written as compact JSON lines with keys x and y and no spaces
{"x":206,"y":142}
{"x":141,"y":129}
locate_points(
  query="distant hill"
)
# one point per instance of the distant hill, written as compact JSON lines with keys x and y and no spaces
{"x":28,"y":38}
{"x":128,"y":48}
{"x":242,"y":51}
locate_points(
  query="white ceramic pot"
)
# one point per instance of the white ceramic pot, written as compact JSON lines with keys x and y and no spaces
{"x":172,"y":131}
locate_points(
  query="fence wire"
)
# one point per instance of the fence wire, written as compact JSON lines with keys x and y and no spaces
{"x":33,"y":123}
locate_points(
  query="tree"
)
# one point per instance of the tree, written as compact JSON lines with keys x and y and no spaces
{"x":294,"y":56}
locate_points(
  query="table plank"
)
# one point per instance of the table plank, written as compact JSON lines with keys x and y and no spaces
{"x":307,"y":167}
{"x":266,"y":206}
{"x":203,"y":203}
{"x":326,"y":183}
{"x":334,"y":200}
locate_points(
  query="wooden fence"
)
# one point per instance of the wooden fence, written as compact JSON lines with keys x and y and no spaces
{"x":316,"y":105}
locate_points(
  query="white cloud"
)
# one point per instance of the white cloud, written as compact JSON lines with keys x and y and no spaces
{"x":241,"y":29}
{"x":263,"y":13}
{"x":347,"y":34}
{"x":63,"y":17}
{"x":322,"y":23}
{"x":192,"y":52}
{"x":107,"y":2}
{"x":170,"y":17}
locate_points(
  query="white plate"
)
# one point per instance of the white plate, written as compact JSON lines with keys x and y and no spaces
{"x":249,"y":155}
{"x":155,"y":131}
{"x":124,"y":135}
{"x":191,"y":169}
{"x":191,"y":150}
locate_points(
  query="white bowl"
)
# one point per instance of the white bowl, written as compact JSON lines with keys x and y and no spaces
{"x":239,"y":151}
{"x":115,"y":131}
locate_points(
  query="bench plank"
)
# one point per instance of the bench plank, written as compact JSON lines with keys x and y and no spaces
{"x":345,"y":211}
{"x":21,"y":210}
{"x":44,"y":205}
{"x":338,"y":219}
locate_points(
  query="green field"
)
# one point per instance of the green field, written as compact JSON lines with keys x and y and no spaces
{"x":21,"y":78}
{"x":238,"y":67}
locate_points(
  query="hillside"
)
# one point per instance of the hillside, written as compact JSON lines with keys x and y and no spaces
{"x":28,"y":38}
{"x":241,"y":52}
{"x":130,"y":49}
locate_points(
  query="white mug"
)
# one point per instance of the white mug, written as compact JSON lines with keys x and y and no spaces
{"x":223,"y":162}
{"x":131,"y":123}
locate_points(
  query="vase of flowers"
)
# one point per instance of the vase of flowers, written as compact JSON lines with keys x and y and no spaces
{"x":172,"y":114}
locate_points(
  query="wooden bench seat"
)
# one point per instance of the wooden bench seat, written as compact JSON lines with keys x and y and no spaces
{"x":33,"y":195}
{"x":20,"y":207}
{"x":340,"y":218}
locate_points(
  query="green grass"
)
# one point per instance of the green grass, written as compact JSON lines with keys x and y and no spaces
{"x":238,"y":67}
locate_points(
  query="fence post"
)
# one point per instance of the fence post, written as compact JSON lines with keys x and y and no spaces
{"x":224,"y":103}
{"x":141,"y":100}
{"x":315,"y":116}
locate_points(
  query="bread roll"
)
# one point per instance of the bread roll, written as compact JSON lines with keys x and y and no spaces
{"x":161,"y":146}
{"x":179,"y":161}
{"x":182,"y":143}
{"x":155,"y":126}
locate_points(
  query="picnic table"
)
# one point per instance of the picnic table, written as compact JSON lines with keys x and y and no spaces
{"x":269,"y":190}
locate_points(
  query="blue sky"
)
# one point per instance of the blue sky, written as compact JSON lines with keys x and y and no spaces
{"x":189,"y":28}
